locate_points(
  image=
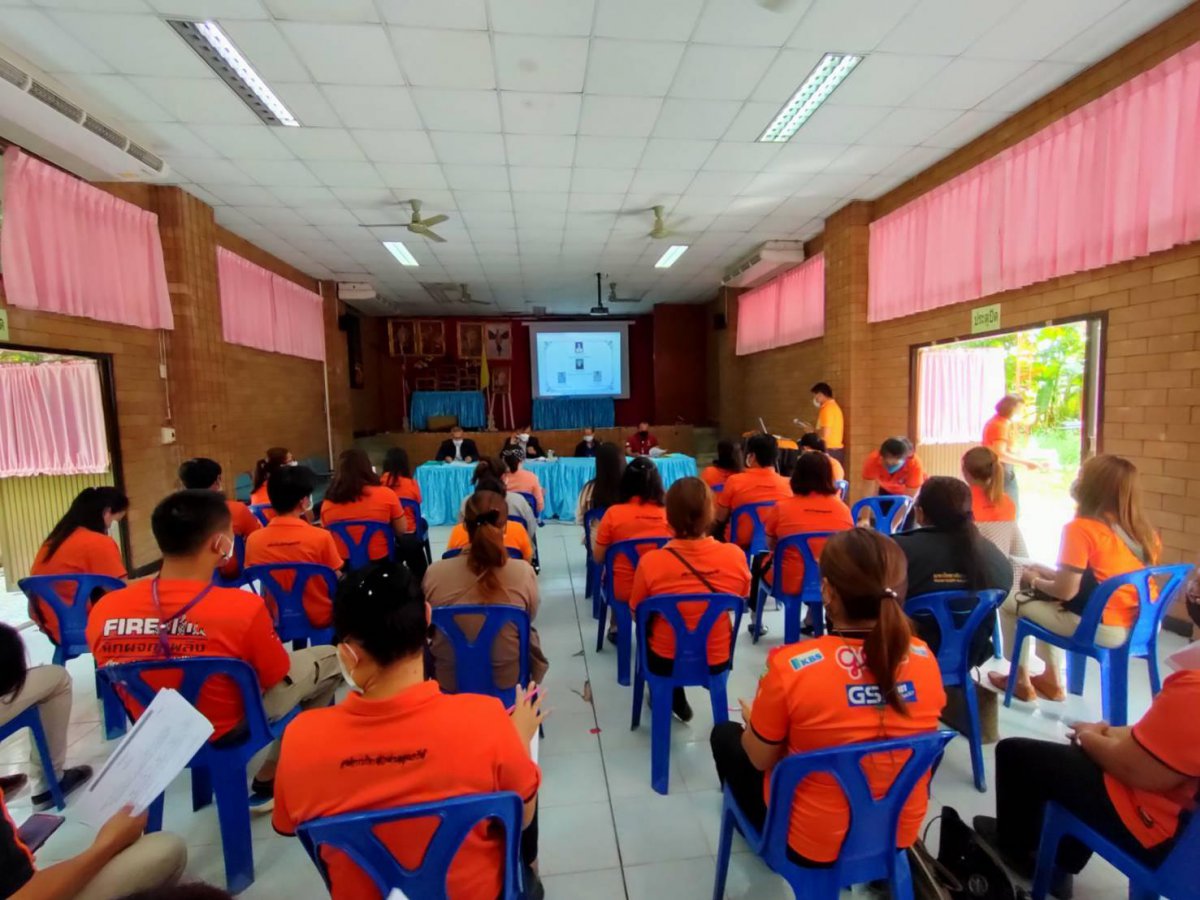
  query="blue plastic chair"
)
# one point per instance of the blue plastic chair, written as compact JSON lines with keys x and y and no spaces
{"x":513,"y":553}
{"x":843,"y":488}
{"x":242,"y":486}
{"x":473,"y":669}
{"x":359,"y":547}
{"x":355,"y":834}
{"x":532,"y":501}
{"x":717,"y":488}
{"x":591,"y":578}
{"x":810,"y":588}
{"x":72,"y":628}
{"x":758,"y":534}
{"x":32,"y":719}
{"x":414,"y":507}
{"x":1114,"y":661}
{"x":287,"y":603}
{"x":631,"y":551}
{"x":520,"y":520}
{"x":260,"y":512}
{"x":690,"y":669}
{"x":889,"y":511}
{"x":1175,"y":878}
{"x":954,"y":653}
{"x":219,"y":770}
{"x":868,"y":851}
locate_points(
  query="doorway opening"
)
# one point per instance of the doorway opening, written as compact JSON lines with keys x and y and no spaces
{"x":1055,"y":368}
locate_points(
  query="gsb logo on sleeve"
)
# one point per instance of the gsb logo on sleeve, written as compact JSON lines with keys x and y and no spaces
{"x":872,"y":695}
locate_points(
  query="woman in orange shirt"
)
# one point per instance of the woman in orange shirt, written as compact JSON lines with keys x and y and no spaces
{"x":276,"y":458}
{"x":356,"y":494}
{"x":812,"y":442}
{"x":515,"y":535}
{"x":1109,"y":536}
{"x":520,"y":480}
{"x":997,"y":437}
{"x":692,"y":562}
{"x":994,"y":511}
{"x":397,"y":477}
{"x":728,"y":462}
{"x":869,"y":679}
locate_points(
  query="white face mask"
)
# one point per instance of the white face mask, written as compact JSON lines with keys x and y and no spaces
{"x":524,"y":436}
{"x":817,"y":402}
{"x":589,"y":438}
{"x":346,"y":676}
{"x":227,"y":555}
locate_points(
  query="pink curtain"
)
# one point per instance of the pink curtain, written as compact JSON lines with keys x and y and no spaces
{"x":1116,"y":179}
{"x":268,"y":312}
{"x":788,"y":309}
{"x":51,"y":419}
{"x":957,"y":393}
{"x":67,"y":247}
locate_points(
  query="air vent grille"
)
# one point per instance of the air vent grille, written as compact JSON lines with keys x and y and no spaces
{"x":145,"y":157}
{"x":55,"y":102}
{"x":98,"y":128}
{"x":12,"y":74}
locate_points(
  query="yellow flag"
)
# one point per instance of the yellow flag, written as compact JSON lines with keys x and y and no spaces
{"x":485,"y":377}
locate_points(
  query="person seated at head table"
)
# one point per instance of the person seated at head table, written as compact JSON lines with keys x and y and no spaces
{"x":811,"y":442}
{"x":801,"y":702}
{"x":1109,"y":536}
{"x":275,"y":459}
{"x":203,"y":474}
{"x":692,"y":562}
{"x":515,"y":534}
{"x":995,"y":512}
{"x":357,"y":494}
{"x":588,"y":444}
{"x":290,"y":538}
{"x":79,"y":545}
{"x":450,"y":745}
{"x":492,"y":471}
{"x":520,"y":480}
{"x":727,"y":462}
{"x":893,"y":469}
{"x":605,"y":489}
{"x":194,"y":533}
{"x":457,"y":448}
{"x":641,"y":442}
{"x":484,"y":574}
{"x":525,"y":441}
{"x":760,"y":482}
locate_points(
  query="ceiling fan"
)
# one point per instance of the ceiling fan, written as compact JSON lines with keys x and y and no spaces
{"x":599,"y":309}
{"x":661,"y":229}
{"x":613,"y":298}
{"x":416,"y":225}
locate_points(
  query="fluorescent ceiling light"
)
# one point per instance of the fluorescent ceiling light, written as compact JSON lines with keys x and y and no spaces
{"x":829,"y":73}
{"x":216,"y":49}
{"x":401,"y":253}
{"x":673,"y":253}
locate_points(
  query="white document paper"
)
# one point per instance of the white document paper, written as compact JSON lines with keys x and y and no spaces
{"x":397,"y":894}
{"x":156,"y":749}
{"x":1187,"y":659}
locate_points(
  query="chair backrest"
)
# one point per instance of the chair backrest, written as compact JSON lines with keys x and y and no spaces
{"x":691,"y":644}
{"x":72,"y":615}
{"x":414,"y":507}
{"x":1153,"y":605}
{"x":473,"y":671}
{"x":870,"y":841}
{"x":356,"y":835}
{"x":889,"y":510}
{"x":758,"y":534}
{"x":631,"y":551}
{"x":591,"y":520}
{"x":286,"y":602}
{"x":260,"y":512}
{"x":531,"y":500}
{"x":358,"y":548}
{"x":810,"y":587}
{"x":843,"y":488}
{"x":954,"y":642}
{"x":513,"y":553}
{"x":242,"y":486}
{"x":717,"y":488}
{"x":1177,"y":874}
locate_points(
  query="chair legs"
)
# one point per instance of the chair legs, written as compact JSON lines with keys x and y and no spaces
{"x":202,"y":789}
{"x":1076,"y":672}
{"x":233,"y":813}
{"x":1052,"y":834}
{"x":660,"y":735}
{"x":1114,"y":687}
{"x":998,"y":641}
{"x":902,"y":888}
{"x":724,"y":851}
{"x":1152,"y":665}
{"x":111,"y":709}
{"x":624,"y":619}
{"x":975,"y":733}
{"x":718,"y":697}
{"x":33,"y":719}
{"x":1018,"y":645}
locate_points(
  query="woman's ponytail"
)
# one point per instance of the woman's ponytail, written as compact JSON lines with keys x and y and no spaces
{"x":885,"y":648}
{"x":485,"y":517}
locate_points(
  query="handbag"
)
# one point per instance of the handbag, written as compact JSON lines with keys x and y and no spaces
{"x":975,"y":865}
{"x":930,"y":879}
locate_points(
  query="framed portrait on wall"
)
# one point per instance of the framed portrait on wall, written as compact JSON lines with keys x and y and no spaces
{"x":499,"y":340}
{"x":501,"y":378}
{"x":431,"y":337}
{"x":470,"y":340}
{"x":402,"y":337}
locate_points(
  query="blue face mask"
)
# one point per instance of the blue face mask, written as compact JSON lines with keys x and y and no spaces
{"x":893,"y":468}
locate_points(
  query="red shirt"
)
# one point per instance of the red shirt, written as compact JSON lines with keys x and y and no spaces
{"x":640,"y":446}
{"x":909,"y":477}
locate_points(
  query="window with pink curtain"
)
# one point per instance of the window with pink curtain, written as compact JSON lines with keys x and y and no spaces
{"x":957,"y":393}
{"x":67,"y":247}
{"x":51,"y":419}
{"x":788,"y":309}
{"x":1116,"y":179}
{"x":268,"y":312}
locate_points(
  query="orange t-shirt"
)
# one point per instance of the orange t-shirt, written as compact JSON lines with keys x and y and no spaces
{"x":1091,"y":544}
{"x":909,"y":477}
{"x":661,"y":572}
{"x":800,"y":515}
{"x":1003,"y":510}
{"x":625,"y":522}
{"x":123,"y":627}
{"x":523,"y":481}
{"x":377,"y":504}
{"x":515,"y":536}
{"x":819,"y":694}
{"x":1170,"y":732}
{"x":756,"y":485}
{"x":419,"y":746}
{"x":831,"y":418}
{"x":260,"y":498}
{"x":288,"y":539}
{"x":998,"y":430}
{"x":714,"y":477}
{"x":84,"y":552}
{"x":244,"y":524}
{"x":405,"y":489}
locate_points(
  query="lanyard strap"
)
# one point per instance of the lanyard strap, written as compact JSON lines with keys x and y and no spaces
{"x":163,"y":643}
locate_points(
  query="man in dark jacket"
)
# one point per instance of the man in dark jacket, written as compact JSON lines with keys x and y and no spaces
{"x":457,"y":448}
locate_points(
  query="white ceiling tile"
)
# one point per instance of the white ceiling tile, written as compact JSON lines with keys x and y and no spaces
{"x":720,"y":73}
{"x":534,"y":63}
{"x":477,"y":178}
{"x":966,"y":82}
{"x":323,"y":11}
{"x":539,"y":178}
{"x":445,"y":59}
{"x":308,"y":197}
{"x":446,"y":110}
{"x":244,"y":141}
{"x":695,"y":118}
{"x":134,"y":45}
{"x":395,"y":146}
{"x":887,"y":79}
{"x":1035,"y":29}
{"x":373,"y":107}
{"x":1132,"y":18}
{"x":172,"y":140}
{"x":964,"y":129}
{"x":751,"y":121}
{"x":833,"y":184}
{"x":697,"y":206}
{"x":664,"y":181}
{"x":529,"y":113}
{"x":401,"y":176}
{"x":945,"y":27}
{"x":197,"y":101}
{"x":525,"y":202}
{"x":855,"y":26}
{"x":594,"y":202}
{"x":36,"y":36}
{"x":618,"y":116}
{"x":483,"y":201}
{"x":344,"y":54}
{"x":211,"y":171}
{"x":845,"y":124}
{"x":914,"y":161}
{"x":787,"y":72}
{"x":540,"y":149}
{"x":676,"y":153}
{"x":673,"y":20}
{"x":865,"y":159}
{"x":908,"y":127}
{"x":244,"y":195}
{"x":307,"y":104}
{"x":210,"y":9}
{"x":632,"y":68}
{"x":727,"y":183}
{"x":601,"y":181}
{"x":777,"y":184}
{"x":570,"y":17}
{"x":320,"y":143}
{"x":738,"y":22}
{"x":805,"y":157}
{"x":1032,"y":84}
{"x":737,"y":156}
{"x":468,"y":14}
{"x":608,"y":152}
{"x":469,"y":149}
{"x":342,"y":173}
{"x":265,"y":47}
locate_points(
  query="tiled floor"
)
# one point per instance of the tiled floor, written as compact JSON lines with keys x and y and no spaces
{"x":604,"y":832}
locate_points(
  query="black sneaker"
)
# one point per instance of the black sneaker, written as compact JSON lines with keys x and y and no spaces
{"x":262,"y":796}
{"x":680,"y":707}
{"x":71,"y":778}
{"x":762,"y":629}
{"x":10,"y":784}
{"x":534,"y":889}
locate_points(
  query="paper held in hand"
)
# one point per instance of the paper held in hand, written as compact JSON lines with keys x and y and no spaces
{"x":156,"y":749}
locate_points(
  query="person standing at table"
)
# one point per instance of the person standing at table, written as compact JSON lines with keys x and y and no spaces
{"x":641,"y":442}
{"x":525,"y":441}
{"x":457,"y":448}
{"x":587,"y":446}
{"x":998,"y":437}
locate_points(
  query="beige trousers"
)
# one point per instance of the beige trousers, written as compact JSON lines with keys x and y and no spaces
{"x":49,"y":689}
{"x":309,"y":683}
{"x":1053,"y":617}
{"x":154,"y":860}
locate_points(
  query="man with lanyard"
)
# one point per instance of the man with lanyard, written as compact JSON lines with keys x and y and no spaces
{"x":181,"y":613}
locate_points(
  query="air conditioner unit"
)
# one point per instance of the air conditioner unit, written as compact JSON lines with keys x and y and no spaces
{"x":767,"y":260}
{"x":355,"y":290}
{"x":39,"y":118}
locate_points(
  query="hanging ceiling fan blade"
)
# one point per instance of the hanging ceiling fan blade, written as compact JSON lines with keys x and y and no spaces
{"x":425,"y":232}
{"x":433,"y":220}
{"x":385,"y":225}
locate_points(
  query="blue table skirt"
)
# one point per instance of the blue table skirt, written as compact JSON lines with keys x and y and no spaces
{"x":466,"y":405}
{"x":443,"y":486}
{"x":554,"y":413}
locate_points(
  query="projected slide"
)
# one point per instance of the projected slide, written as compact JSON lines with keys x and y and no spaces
{"x":579,"y":363}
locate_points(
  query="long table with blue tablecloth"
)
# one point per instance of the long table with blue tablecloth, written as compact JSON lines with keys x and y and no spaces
{"x":466,"y":406}
{"x":444,"y":485}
